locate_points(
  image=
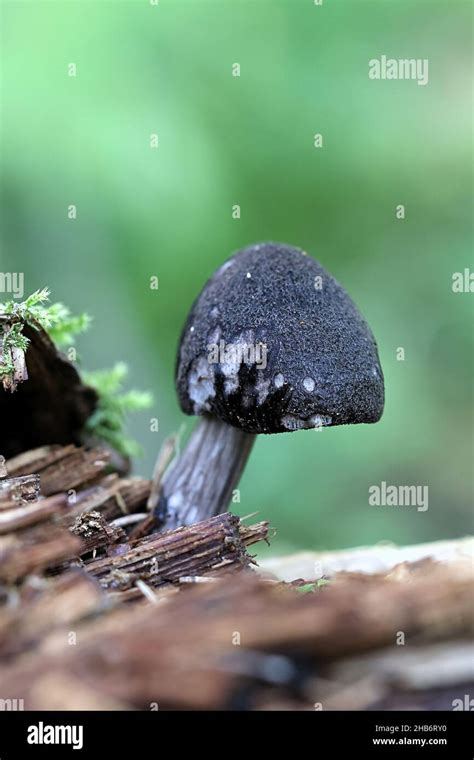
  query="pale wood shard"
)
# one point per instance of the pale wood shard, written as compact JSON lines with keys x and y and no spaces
{"x":19,"y":362}
{"x":10,"y":356}
{"x":364,"y":559}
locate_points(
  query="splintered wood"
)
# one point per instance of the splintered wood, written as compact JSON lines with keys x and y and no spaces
{"x":97,"y":612}
{"x":80,"y":517}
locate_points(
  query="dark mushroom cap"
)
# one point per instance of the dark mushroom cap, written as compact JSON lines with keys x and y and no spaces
{"x":273,"y":343}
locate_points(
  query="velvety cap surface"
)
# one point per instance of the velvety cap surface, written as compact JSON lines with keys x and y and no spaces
{"x":273,"y":343}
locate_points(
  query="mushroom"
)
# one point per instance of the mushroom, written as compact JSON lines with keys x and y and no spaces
{"x":272,"y":344}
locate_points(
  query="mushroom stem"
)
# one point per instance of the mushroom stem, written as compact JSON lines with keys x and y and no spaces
{"x":199,"y":483}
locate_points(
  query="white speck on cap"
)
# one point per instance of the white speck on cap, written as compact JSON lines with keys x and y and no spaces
{"x":262,"y":390}
{"x":230,"y":386}
{"x":308,"y":384}
{"x":201,"y":384}
{"x":291,"y":422}
{"x":248,"y":275}
{"x":320,"y":420}
{"x":278,"y":380}
{"x":213,"y":336}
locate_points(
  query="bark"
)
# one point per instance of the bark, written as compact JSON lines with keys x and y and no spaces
{"x":51,"y":407}
{"x":245,"y":643}
{"x":82,"y":474}
{"x":215,"y":544}
{"x":92,"y":617}
{"x":22,"y":516}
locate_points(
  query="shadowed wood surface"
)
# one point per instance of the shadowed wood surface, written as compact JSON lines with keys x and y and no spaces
{"x":49,"y":405}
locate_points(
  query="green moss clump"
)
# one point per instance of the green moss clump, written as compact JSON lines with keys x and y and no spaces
{"x":108,"y":421}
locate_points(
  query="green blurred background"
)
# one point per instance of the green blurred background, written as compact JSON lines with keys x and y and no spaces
{"x":248,"y":140}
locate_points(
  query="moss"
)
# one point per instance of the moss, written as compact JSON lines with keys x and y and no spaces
{"x":108,"y":421}
{"x":56,"y":318}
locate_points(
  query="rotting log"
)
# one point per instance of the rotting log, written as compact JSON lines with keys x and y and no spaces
{"x":93,"y":617}
{"x":243,"y":642}
{"x":43,"y":605}
{"x":14,"y":516}
{"x":82,"y":474}
{"x":35,"y":552}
